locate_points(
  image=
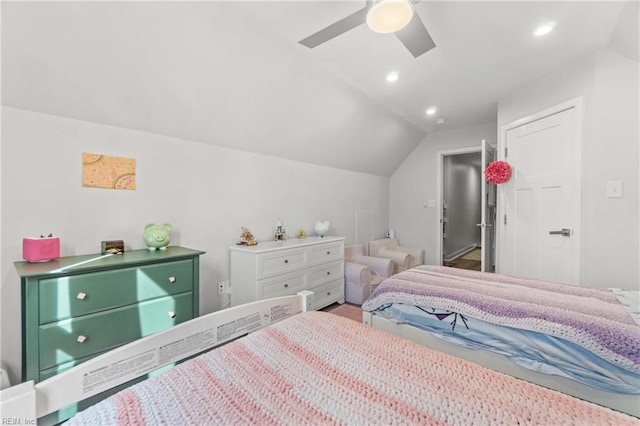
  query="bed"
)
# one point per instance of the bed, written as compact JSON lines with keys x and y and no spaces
{"x":306,"y":368}
{"x":580,"y":341}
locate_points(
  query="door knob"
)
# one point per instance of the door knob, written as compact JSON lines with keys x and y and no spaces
{"x":565,"y":232}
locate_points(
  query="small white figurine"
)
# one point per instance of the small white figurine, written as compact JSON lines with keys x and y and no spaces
{"x":280,"y":234}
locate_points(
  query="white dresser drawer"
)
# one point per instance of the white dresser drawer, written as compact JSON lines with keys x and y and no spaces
{"x":324,"y":273}
{"x":283,"y":285}
{"x":327,"y":294}
{"x":270,"y":264}
{"x":327,"y":252}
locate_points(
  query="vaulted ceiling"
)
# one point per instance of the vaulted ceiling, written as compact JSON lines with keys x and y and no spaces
{"x":233,"y":74}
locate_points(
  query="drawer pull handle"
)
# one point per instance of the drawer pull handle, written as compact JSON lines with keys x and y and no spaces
{"x":328,"y":252}
{"x":81,"y":296}
{"x":81,"y":339}
{"x":328,"y":293}
{"x":172,"y":279}
{"x":286,"y":261}
{"x":328,"y":273}
{"x":286,"y":286}
{"x":171,"y":314}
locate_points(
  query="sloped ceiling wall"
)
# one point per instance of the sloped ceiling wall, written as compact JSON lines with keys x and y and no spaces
{"x":625,"y":39}
{"x":195,"y":72}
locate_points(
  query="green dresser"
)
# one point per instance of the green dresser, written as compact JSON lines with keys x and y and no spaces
{"x":77,"y":307}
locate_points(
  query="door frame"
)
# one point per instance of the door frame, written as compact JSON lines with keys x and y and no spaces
{"x":439,"y":189}
{"x":488,"y":257}
{"x":578,"y":132}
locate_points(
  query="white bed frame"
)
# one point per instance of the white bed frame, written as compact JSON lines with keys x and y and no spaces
{"x":629,"y":404}
{"x":28,"y":401}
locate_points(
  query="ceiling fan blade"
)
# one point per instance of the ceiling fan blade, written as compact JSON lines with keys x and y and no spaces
{"x":334,"y":30}
{"x":415,"y":37}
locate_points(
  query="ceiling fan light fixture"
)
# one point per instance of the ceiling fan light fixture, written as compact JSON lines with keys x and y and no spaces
{"x":389,"y":16}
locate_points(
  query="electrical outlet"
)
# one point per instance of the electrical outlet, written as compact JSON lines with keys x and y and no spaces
{"x":222,"y":288}
{"x":614,"y":189}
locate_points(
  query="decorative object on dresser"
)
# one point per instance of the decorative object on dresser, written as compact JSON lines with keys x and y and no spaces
{"x":322,"y":228}
{"x":40,"y":249}
{"x":246,"y":238}
{"x":77,"y":307}
{"x":112,"y":247}
{"x":282,"y":268}
{"x":362,"y":274}
{"x":403,"y":257}
{"x":156,"y":237}
{"x":280,"y":233}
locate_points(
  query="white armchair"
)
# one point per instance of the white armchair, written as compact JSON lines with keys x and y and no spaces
{"x":403,"y":257}
{"x":362,"y":274}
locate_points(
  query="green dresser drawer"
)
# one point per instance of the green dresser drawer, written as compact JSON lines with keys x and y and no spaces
{"x":75,"y":295}
{"x":63,"y":341}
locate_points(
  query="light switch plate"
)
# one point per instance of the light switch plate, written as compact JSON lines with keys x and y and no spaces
{"x":614,"y":189}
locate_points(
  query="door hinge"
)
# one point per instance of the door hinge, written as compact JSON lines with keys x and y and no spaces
{"x":506,"y":150}
{"x":505,"y":219}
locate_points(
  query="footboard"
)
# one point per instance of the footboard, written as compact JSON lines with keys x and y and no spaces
{"x":28,"y":401}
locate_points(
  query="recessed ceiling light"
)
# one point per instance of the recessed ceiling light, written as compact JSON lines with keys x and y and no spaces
{"x":432,"y":110}
{"x":392,"y":76}
{"x":544,"y":29}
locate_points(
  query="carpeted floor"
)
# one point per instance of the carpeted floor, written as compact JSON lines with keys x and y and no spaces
{"x":353,"y":312}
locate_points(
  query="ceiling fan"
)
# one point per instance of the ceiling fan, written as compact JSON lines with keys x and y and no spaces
{"x":382,"y":16}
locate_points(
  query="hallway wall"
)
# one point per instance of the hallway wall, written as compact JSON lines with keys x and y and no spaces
{"x":462,"y":187}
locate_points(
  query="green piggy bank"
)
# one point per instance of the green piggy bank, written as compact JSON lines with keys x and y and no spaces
{"x":156,"y":237}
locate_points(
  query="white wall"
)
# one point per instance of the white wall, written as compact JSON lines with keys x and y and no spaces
{"x":206,"y":192}
{"x":414,"y":183}
{"x":609,"y":84}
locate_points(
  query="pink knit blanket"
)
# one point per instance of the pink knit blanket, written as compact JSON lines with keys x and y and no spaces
{"x":318,"y":368}
{"x":591,"y":318}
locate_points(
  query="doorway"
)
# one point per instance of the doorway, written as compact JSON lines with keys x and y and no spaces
{"x":461,"y":210}
{"x":466,"y":208}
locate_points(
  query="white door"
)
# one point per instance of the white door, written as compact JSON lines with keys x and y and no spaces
{"x":539,"y":226}
{"x":487,"y":220}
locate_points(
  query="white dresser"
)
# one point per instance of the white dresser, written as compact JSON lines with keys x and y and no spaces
{"x":282,"y":268}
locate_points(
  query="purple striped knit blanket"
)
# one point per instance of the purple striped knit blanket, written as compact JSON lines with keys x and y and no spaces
{"x":592,"y":318}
